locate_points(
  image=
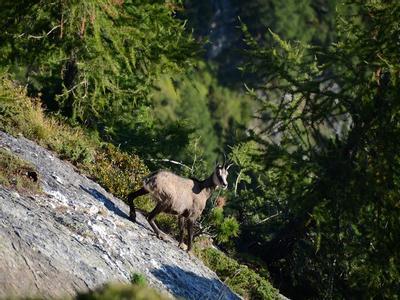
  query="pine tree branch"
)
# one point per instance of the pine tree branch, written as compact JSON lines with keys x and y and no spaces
{"x":172,"y":162}
{"x":38,"y":37}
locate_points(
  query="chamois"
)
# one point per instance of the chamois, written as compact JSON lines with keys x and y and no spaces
{"x":185,"y":197}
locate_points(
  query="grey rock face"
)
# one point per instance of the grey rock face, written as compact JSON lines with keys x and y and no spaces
{"x":76,"y":236}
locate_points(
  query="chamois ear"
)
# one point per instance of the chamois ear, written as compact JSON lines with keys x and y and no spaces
{"x":218,"y":164}
{"x":224,"y":164}
{"x":230,"y":165}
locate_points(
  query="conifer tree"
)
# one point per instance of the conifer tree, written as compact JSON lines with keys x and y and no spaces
{"x":330,"y":158}
{"x":92,"y":59}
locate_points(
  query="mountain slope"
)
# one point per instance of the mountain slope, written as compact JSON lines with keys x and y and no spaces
{"x":76,"y":236}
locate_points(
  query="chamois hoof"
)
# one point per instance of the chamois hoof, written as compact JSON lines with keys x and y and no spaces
{"x":182,"y":246}
{"x":162,"y":236}
{"x":132,"y":218}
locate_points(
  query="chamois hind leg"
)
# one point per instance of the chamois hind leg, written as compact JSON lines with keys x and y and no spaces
{"x":181,"y":224}
{"x":131,"y":198}
{"x":150,"y":218}
{"x":189,"y":225}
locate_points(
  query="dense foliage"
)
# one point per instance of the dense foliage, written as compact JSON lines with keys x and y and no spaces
{"x":95,"y":61}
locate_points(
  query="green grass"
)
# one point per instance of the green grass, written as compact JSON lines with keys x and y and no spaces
{"x":18,"y":174}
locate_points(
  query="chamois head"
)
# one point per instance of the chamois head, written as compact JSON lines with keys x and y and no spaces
{"x":220,"y":175}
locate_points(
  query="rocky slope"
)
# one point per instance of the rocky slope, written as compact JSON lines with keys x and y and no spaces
{"x":76,"y":236}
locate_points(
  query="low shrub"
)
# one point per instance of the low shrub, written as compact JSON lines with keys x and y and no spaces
{"x":118,"y":171}
{"x":21,"y":115}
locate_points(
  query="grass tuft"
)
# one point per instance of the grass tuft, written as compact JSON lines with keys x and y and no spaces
{"x":138,"y":279}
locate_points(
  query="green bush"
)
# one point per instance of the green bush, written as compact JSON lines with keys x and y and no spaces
{"x":118,"y":171}
{"x":223,"y":228}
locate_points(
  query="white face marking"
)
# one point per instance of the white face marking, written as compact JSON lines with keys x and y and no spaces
{"x":220,"y":177}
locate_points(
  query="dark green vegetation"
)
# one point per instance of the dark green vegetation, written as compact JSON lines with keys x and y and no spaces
{"x":318,"y":190}
{"x":314,"y":192}
{"x":92,"y":60}
{"x":18,"y":174}
{"x":139,"y":279}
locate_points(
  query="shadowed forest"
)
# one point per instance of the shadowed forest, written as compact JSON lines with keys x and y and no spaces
{"x":303,"y":97}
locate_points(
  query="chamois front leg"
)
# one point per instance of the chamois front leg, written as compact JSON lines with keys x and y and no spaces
{"x":181,"y":225}
{"x":132,"y":212}
{"x":189,"y":225}
{"x":150,"y":218}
